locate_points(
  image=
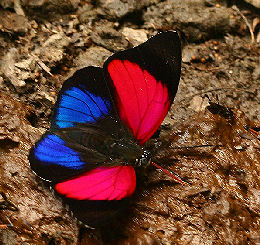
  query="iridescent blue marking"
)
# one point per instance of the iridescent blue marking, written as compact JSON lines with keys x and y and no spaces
{"x":81,"y":106}
{"x":52,"y":150}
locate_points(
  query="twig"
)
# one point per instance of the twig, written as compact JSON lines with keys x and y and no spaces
{"x":215,"y":90}
{"x":18,"y":8}
{"x":6,"y":204}
{"x":207,"y":69}
{"x":234,"y":7}
{"x":42,"y":65}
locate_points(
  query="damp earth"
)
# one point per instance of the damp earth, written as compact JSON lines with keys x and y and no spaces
{"x":209,"y":137}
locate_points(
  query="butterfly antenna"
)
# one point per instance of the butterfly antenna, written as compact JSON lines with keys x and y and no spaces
{"x":193,"y":146}
{"x":173,"y":176}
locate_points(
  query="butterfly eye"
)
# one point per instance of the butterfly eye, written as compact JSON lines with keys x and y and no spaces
{"x":145,"y":160}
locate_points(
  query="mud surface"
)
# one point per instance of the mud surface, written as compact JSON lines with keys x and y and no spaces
{"x":44,"y":42}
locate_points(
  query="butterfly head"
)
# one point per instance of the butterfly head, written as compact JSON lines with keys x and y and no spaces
{"x":144,"y":160}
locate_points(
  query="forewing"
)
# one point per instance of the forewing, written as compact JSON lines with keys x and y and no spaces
{"x":84,"y":98}
{"x":145,"y":80}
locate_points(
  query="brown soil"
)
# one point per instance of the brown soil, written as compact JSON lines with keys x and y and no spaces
{"x":43,"y":42}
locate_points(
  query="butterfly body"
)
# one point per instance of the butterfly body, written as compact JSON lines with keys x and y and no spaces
{"x":107,"y":148}
{"x":101,"y":121}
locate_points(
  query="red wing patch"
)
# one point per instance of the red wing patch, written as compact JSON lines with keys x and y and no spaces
{"x":142,"y":100}
{"x":100,"y":184}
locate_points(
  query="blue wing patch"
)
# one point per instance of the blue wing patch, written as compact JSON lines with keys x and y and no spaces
{"x":51,"y":150}
{"x":77,"y":105}
{"x":53,"y":160}
{"x":85,"y":99}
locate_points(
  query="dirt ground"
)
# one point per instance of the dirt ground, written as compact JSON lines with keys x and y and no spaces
{"x":42,"y":42}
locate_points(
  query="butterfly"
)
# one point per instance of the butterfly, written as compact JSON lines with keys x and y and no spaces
{"x":101,"y":121}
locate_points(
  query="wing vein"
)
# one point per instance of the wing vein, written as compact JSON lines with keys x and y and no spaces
{"x":133,"y":84}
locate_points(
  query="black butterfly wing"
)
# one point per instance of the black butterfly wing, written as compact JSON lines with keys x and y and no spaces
{"x":145,"y":80}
